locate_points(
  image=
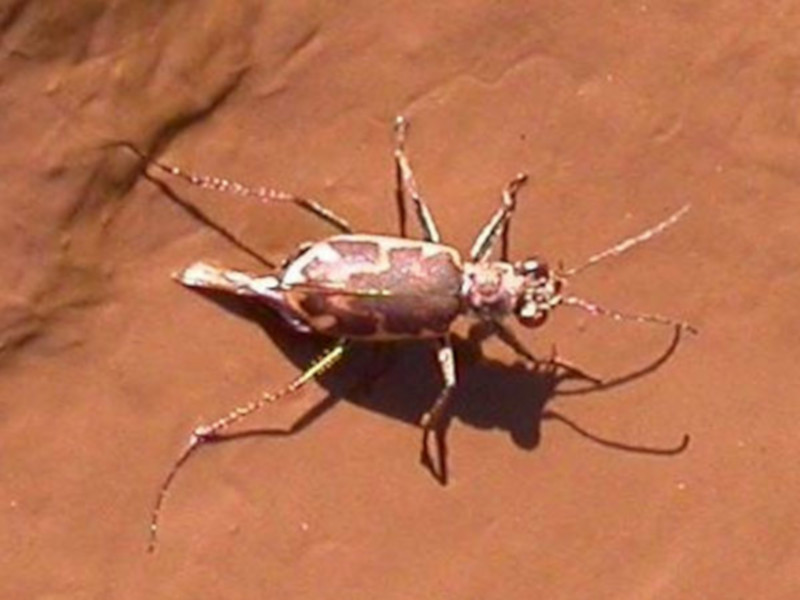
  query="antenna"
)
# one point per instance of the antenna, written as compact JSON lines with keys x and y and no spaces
{"x":596,"y":309}
{"x":629,"y":243}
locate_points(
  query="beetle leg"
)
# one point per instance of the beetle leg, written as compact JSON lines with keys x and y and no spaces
{"x":263,"y":194}
{"x":399,"y":188}
{"x":508,"y":337}
{"x":406,"y":183}
{"x":432,"y":420}
{"x":267,"y":288}
{"x":209,"y":433}
{"x":499,"y":223}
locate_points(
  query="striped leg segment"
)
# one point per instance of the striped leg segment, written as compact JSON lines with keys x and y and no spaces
{"x":262,"y":194}
{"x":208,"y":433}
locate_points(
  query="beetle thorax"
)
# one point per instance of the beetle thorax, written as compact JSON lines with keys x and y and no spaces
{"x":491,"y":289}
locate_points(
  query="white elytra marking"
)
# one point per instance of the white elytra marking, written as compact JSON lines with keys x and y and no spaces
{"x":199,"y":274}
{"x":322,"y":251}
{"x":429,"y":249}
{"x":202,"y":274}
{"x":265,"y":284}
{"x":237,"y":279}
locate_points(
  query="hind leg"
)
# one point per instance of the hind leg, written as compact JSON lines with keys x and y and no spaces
{"x":209,"y":433}
{"x":262,"y":194}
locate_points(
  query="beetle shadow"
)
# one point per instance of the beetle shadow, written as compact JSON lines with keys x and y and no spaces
{"x":401,"y":380}
{"x":515,"y":398}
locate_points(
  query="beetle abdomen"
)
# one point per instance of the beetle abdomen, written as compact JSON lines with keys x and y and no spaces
{"x":378,"y":287}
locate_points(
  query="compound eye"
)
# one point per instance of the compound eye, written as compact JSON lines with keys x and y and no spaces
{"x":535,"y":268}
{"x":535,"y":320}
{"x":530,"y":315}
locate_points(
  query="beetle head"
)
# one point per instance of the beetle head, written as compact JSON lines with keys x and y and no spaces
{"x":541,"y":290}
{"x":539,"y":294}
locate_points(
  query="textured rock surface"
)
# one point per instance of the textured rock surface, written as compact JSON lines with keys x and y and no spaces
{"x":620,"y":112}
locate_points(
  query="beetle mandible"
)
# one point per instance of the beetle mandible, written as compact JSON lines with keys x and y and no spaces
{"x":355,"y":286}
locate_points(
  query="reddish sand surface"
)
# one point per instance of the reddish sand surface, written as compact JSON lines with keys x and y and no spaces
{"x":621,"y":112}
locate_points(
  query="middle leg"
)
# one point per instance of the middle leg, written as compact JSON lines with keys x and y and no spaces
{"x":434,"y":419}
{"x":408,"y":184}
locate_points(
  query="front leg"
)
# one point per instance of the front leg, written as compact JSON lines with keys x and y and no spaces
{"x":434,"y":419}
{"x":499,"y":223}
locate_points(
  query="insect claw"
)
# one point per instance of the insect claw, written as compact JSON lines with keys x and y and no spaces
{"x":518,"y":181}
{"x":400,"y":129}
{"x":400,"y":124}
{"x":687,"y":327}
{"x":425,"y":420}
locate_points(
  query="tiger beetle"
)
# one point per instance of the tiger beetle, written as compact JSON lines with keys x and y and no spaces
{"x":355,"y":286}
